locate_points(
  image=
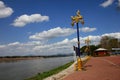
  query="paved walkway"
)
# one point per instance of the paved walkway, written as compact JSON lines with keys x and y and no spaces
{"x":98,"y":68}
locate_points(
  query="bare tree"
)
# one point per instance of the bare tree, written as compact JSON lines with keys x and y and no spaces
{"x":109,"y":42}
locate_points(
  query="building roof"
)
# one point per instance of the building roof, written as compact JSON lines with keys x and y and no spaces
{"x":101,"y":49}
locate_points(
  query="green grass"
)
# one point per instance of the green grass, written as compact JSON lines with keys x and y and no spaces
{"x":51,"y":72}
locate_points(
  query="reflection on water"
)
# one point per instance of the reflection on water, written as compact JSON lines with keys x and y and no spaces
{"x":26,"y":68}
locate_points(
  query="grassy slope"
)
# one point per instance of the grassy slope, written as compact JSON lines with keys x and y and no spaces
{"x":49,"y":73}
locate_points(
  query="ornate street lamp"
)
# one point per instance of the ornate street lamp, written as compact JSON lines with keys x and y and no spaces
{"x":87,"y":49}
{"x":75,"y":20}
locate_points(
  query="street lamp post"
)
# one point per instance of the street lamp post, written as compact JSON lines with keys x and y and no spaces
{"x":78,"y":39}
{"x":87,"y":41}
{"x":76,"y":19}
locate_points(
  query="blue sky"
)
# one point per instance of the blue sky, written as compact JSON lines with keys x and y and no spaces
{"x":41,"y":27}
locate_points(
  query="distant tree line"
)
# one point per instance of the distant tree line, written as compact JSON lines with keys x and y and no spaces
{"x":92,"y":49}
{"x":19,"y":56}
{"x":43,"y":56}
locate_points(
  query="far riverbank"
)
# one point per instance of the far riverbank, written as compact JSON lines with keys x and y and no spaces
{"x":18,"y":58}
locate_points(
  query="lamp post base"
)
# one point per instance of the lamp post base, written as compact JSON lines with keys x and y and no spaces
{"x":78,"y":65}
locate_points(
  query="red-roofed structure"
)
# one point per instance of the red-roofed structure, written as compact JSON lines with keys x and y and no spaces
{"x":101,"y":52}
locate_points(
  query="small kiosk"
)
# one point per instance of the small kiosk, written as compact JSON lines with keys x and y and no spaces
{"x":101,"y":52}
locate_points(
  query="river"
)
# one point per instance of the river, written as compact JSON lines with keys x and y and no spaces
{"x":23,"y":69}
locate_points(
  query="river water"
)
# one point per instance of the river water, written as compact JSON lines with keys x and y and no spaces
{"x":23,"y":69}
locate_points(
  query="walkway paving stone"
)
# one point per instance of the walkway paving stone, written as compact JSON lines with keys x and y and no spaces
{"x":98,"y":68}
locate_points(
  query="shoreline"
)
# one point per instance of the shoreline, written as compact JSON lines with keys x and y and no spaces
{"x":58,"y":73}
{"x":67,"y":71}
{"x":44,"y":75}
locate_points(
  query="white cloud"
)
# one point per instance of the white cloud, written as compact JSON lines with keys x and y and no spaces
{"x":94,"y":40}
{"x":13,"y":44}
{"x":17,"y":48}
{"x":52,"y":33}
{"x":119,"y":3}
{"x":39,"y":48}
{"x":26,"y":19}
{"x":107,"y":3}
{"x":4,"y":10}
{"x":65,"y":46}
{"x":2,"y":46}
{"x":115,"y":35}
{"x":35,"y":48}
{"x":57,"y":32}
{"x":87,"y":29}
